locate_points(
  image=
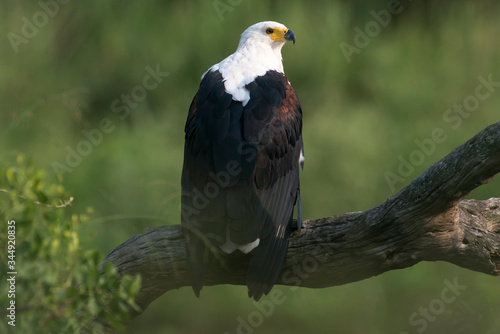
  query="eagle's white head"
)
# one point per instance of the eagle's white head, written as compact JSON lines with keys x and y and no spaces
{"x":263,"y":42}
{"x":259,"y":51}
{"x":266,"y":34}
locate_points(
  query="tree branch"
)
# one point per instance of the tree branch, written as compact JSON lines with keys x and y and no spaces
{"x":425,"y":221}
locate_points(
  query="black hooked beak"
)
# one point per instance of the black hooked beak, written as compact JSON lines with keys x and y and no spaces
{"x":290,"y":36}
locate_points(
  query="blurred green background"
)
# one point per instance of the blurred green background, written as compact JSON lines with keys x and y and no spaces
{"x":67,"y":67}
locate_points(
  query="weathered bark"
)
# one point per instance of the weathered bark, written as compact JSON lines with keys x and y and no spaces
{"x":425,"y":221}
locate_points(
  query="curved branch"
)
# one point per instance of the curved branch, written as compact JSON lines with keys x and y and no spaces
{"x":425,"y":221}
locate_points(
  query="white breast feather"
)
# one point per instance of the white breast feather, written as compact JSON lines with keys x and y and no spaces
{"x":242,"y":67}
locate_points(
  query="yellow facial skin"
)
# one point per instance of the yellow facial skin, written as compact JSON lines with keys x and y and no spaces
{"x":277,"y":34}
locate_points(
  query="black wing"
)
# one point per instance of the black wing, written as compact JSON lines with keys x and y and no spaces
{"x":240,"y":176}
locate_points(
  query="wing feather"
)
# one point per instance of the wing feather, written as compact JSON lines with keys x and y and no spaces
{"x":263,"y":139}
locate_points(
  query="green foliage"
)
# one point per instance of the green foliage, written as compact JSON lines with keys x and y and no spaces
{"x":59,"y":286}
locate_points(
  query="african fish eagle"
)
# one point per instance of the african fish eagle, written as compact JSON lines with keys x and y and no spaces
{"x":243,"y":149}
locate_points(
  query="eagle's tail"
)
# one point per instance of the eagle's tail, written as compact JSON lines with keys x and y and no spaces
{"x":195,"y":252}
{"x":266,"y":262}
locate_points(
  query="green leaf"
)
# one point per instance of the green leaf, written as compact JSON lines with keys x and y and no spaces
{"x":12,"y":175}
{"x":71,"y":292}
{"x":92,"y":306}
{"x":109,"y":270}
{"x":42,"y":197}
{"x":135,"y":286}
{"x":92,"y":277}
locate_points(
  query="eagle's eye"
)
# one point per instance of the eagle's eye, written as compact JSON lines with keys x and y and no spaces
{"x":269,"y":31}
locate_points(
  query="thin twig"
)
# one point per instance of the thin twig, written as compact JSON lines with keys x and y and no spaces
{"x":63,"y":203}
